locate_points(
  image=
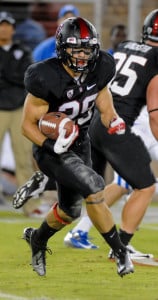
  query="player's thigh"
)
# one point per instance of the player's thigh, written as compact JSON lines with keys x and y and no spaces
{"x":98,"y":161}
{"x":126,"y":153}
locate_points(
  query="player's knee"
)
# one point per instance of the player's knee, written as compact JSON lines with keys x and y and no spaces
{"x":74,"y":210}
{"x":96,"y":198}
{"x":94,"y":184}
{"x":149,"y":190}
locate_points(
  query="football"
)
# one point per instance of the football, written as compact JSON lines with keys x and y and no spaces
{"x":50,"y":124}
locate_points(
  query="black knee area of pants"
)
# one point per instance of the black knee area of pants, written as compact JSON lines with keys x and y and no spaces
{"x":51,"y":185}
{"x":73,"y":211}
{"x":94,"y":184}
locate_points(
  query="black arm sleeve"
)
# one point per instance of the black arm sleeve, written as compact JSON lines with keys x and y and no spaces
{"x":106,"y":69}
{"x":34,"y":82}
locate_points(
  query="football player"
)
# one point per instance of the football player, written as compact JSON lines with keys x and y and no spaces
{"x":135,"y":85}
{"x":73,"y":83}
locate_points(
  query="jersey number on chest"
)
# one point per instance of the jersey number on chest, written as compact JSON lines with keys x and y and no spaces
{"x":124,"y":67}
{"x":82,"y":111}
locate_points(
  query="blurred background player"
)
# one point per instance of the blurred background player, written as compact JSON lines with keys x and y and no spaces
{"x":15,"y":58}
{"x":118,"y":34}
{"x":31,"y":34}
{"x":29,"y":31}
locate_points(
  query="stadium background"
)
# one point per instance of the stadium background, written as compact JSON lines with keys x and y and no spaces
{"x":103,"y":13}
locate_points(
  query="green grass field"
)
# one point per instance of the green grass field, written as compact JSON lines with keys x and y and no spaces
{"x":72,"y":274}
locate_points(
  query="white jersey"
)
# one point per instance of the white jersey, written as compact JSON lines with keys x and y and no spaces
{"x":141,"y":127}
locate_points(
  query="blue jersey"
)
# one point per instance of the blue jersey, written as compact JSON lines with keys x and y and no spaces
{"x":110,"y":51}
{"x":45,"y":50}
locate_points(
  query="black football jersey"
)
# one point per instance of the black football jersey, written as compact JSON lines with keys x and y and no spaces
{"x":136,"y":65}
{"x":75,"y":97}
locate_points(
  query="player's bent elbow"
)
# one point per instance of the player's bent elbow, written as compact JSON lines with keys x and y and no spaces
{"x":25,"y":130}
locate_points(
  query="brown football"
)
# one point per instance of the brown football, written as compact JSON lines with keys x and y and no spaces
{"x":50,"y":123}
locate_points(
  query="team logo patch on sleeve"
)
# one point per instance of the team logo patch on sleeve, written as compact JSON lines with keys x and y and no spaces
{"x":70,"y":94}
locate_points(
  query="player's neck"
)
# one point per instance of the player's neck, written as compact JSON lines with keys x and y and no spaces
{"x":151,"y":43}
{"x":71,"y":72}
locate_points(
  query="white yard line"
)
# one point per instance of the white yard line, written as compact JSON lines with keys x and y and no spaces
{"x":149,"y":226}
{"x":14,"y":297}
{"x":11,"y":297}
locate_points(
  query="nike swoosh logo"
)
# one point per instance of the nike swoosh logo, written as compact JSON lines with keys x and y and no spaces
{"x":112,"y":235}
{"x":90,"y":86}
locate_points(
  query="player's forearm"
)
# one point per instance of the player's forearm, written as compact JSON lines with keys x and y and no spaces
{"x":33,"y":133}
{"x":105,"y":106}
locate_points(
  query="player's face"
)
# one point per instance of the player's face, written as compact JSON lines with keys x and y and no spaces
{"x":80,"y":56}
{"x":6,"y":31}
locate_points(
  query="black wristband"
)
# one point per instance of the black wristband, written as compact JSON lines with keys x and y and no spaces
{"x":48,"y":144}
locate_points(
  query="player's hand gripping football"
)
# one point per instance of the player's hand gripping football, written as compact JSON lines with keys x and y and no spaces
{"x":63,"y":142}
{"x":117,"y":126}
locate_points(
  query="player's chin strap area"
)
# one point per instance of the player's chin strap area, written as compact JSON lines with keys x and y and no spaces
{"x":57,"y":217}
